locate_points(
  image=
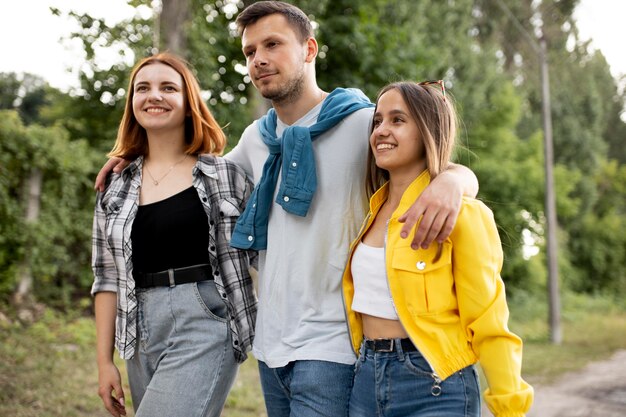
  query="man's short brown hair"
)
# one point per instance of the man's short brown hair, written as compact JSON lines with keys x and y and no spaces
{"x":296,"y":18}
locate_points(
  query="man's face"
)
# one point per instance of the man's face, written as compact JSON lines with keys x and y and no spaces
{"x":275,"y":58}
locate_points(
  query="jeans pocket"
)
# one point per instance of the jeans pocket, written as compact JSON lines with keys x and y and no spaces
{"x":417,"y":365}
{"x":210,"y":300}
{"x":461,"y":388}
{"x":142,"y":327}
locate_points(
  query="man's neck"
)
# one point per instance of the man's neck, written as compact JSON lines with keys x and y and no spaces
{"x":291,"y":112}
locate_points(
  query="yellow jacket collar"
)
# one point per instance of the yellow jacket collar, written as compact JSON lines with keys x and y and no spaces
{"x":408,"y":197}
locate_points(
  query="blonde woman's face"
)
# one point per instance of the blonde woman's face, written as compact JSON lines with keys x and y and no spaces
{"x":395,"y":140}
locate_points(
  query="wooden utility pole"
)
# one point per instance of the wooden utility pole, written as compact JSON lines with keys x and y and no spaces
{"x":550,"y":201}
{"x":554,"y":303}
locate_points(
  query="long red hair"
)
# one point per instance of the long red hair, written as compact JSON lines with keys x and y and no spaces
{"x":202,"y":132}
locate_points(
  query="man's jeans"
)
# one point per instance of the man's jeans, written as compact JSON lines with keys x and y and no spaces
{"x":307,"y":389}
{"x":184,"y":365}
{"x":401,"y":384}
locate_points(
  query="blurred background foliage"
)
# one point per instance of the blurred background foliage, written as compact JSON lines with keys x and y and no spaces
{"x":52,"y":143}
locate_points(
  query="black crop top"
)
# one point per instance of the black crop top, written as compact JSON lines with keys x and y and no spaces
{"x":171,"y":233}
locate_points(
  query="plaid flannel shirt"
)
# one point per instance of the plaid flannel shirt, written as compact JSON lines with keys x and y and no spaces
{"x":223,"y":189}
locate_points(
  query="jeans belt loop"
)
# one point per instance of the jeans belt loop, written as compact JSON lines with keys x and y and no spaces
{"x":170,"y":274}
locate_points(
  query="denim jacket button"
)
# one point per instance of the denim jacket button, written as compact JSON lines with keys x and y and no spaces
{"x":286,"y":199}
{"x":250,"y":238}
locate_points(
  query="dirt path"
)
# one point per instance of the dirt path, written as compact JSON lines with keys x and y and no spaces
{"x":598,"y":390}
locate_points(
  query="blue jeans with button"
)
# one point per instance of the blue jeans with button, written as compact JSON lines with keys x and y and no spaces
{"x":401,"y":384}
{"x":184,"y":363}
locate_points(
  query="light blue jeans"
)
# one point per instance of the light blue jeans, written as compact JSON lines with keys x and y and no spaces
{"x":401,"y":384}
{"x":184,"y":365}
{"x":307,"y":389}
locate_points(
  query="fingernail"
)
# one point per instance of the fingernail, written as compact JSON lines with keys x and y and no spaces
{"x":414,"y":246}
{"x":403,"y":235}
{"x":424,"y":246}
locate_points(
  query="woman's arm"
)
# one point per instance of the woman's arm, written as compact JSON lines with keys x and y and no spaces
{"x":477,"y":260}
{"x":109,"y":380}
{"x":105,"y":291}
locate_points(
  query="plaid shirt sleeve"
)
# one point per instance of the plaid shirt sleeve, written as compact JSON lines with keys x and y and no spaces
{"x":102,"y":260}
{"x":228,"y":196}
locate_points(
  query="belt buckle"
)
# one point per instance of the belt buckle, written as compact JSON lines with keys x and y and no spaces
{"x":387,"y":349}
{"x":170,"y":274}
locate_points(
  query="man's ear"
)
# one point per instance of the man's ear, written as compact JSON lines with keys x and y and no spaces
{"x":311,"y":49}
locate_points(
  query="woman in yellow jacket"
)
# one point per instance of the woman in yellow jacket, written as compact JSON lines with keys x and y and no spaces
{"x":420,"y":319}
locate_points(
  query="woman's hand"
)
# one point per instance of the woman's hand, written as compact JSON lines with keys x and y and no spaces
{"x":110,"y":389}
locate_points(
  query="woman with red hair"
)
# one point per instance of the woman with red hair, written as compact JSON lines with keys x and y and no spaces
{"x":170,"y":293}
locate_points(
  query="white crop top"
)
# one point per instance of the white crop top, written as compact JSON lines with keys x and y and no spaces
{"x":371,"y":292}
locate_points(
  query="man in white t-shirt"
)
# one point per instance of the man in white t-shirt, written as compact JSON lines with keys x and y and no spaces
{"x":301,"y":341}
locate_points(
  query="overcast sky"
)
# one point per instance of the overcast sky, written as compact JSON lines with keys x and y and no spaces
{"x":30,"y":34}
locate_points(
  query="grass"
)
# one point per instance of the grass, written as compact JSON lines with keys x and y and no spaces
{"x":592,"y":329}
{"x":48,"y":369}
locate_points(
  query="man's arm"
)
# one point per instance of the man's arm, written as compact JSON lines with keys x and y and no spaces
{"x":438,"y":206}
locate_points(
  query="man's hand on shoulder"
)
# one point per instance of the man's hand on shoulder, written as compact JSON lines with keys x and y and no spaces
{"x":114,"y":164}
{"x":438,"y":207}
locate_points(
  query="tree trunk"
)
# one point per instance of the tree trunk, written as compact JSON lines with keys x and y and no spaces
{"x":174,"y":21}
{"x":260,"y":104}
{"x":33,"y":201}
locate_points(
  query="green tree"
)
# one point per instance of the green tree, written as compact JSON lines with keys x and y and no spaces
{"x":27,"y":93}
{"x":598,"y":239}
{"x":56,"y":245}
{"x":489,"y":66}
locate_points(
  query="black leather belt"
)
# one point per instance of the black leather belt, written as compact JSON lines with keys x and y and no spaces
{"x":172,"y":277}
{"x":388,"y":345}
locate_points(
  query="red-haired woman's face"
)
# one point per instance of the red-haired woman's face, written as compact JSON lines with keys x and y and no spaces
{"x":159,"y":99}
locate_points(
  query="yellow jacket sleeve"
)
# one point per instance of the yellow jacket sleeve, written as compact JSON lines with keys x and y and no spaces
{"x":476,"y":262}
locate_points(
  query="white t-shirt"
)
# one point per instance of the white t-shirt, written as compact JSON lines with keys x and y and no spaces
{"x":301,"y":314}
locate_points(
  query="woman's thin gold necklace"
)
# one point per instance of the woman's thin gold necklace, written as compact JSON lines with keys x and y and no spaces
{"x":155,"y":181}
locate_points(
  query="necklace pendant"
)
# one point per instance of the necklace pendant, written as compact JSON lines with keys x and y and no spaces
{"x":155,"y":182}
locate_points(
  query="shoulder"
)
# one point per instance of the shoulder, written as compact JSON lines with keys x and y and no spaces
{"x":475,"y":220}
{"x":118,"y":185}
{"x":355,"y":125}
{"x":361,"y":115}
{"x":472,"y":208}
{"x":251,"y":131}
{"x":250,"y":139}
